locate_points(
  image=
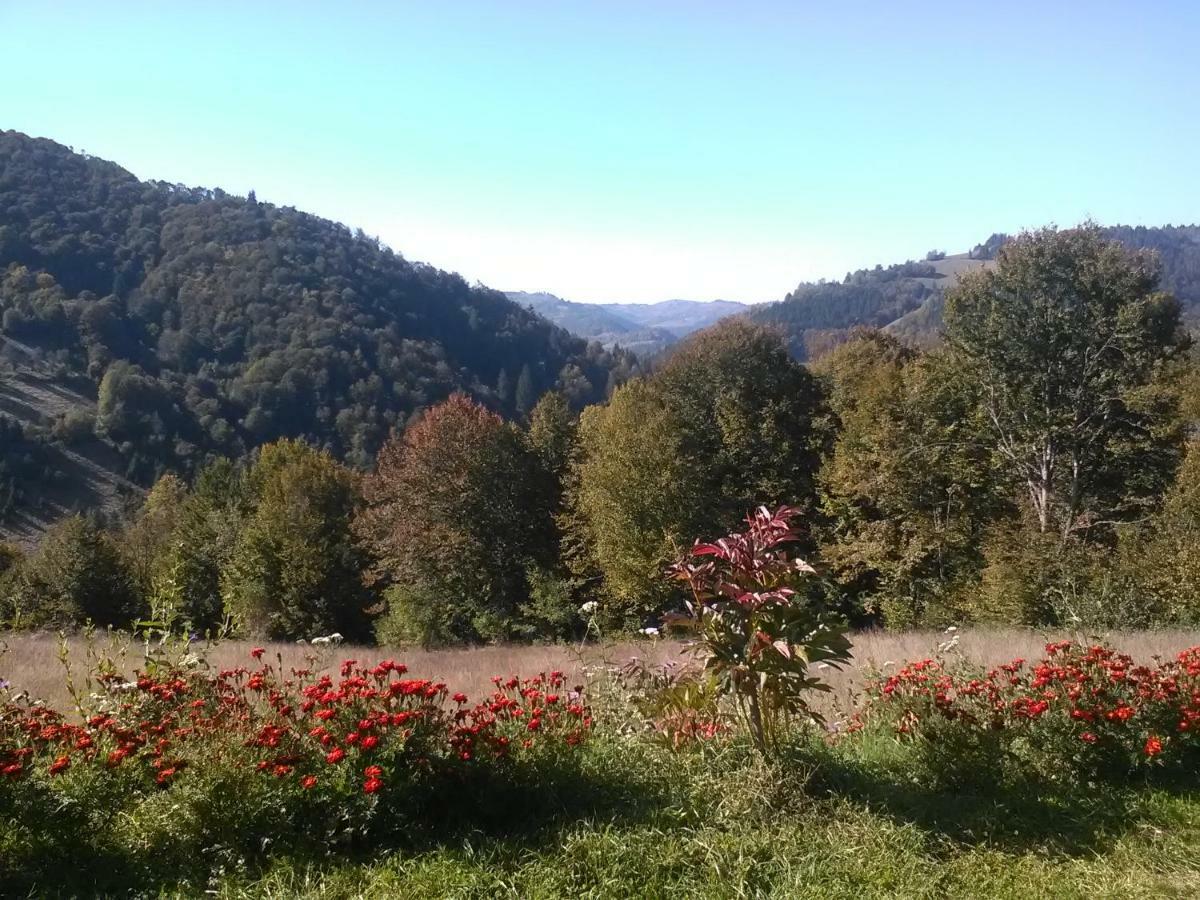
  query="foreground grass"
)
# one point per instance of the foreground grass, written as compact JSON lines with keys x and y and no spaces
{"x":625,"y":817}
{"x":821,"y":823}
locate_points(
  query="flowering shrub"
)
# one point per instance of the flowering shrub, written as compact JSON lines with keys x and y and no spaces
{"x":331,"y":757}
{"x":758,"y":633}
{"x":1083,"y":710}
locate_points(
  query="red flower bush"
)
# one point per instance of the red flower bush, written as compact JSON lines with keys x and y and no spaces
{"x":310,"y":730}
{"x":1085,"y":710}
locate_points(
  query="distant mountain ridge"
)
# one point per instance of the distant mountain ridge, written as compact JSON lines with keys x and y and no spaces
{"x":645,"y":328}
{"x":907,"y":299}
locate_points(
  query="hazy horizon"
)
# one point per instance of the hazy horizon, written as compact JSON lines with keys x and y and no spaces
{"x":636,"y":153}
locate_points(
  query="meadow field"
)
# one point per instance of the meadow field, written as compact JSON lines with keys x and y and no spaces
{"x":31,"y":660}
{"x":837,"y":811}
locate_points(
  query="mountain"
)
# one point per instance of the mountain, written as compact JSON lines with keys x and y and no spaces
{"x":173,"y":323}
{"x":907,"y":299}
{"x":645,"y":328}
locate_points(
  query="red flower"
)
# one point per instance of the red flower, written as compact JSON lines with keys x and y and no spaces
{"x":308,"y":781}
{"x":371,"y":785}
{"x":60,"y":765}
{"x":335,"y":756}
{"x":258,"y":652}
{"x":1088,"y":737}
{"x":372,"y":771}
{"x":460,"y":698}
{"x":369,"y":741}
{"x":1153,"y":746}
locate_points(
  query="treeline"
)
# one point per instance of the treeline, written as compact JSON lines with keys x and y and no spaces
{"x":1036,"y":467}
{"x":210,"y":324}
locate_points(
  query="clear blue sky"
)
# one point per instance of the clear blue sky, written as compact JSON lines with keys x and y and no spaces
{"x":636,"y":150}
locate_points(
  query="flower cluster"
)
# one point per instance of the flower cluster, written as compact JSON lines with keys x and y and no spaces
{"x":364,"y":731}
{"x":1081,"y":708}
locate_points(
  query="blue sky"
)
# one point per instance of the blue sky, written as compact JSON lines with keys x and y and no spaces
{"x":636,"y":150}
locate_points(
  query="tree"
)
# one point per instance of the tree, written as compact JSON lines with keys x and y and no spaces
{"x":452,"y":520}
{"x":754,"y":423}
{"x":552,"y":432}
{"x":147,"y":540}
{"x":76,"y":575}
{"x":1065,"y":342}
{"x":729,"y":422}
{"x":295,"y":571}
{"x":907,"y":491}
{"x":186,"y":580}
{"x":631,"y":502}
{"x":526,"y":395}
{"x":1165,"y":555}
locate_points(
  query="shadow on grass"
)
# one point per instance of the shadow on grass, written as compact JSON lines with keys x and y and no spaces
{"x":1022,"y":816}
{"x":523,"y":806}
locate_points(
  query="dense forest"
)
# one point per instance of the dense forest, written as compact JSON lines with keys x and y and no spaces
{"x":207,"y":324}
{"x":1036,"y":466}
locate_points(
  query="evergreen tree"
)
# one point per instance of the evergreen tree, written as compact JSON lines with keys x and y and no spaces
{"x":526,"y":395}
{"x":75,"y":576}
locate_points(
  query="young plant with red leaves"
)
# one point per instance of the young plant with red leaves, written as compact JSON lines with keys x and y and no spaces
{"x":758,"y":631}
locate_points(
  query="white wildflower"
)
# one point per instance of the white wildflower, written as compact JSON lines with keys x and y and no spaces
{"x":650,"y":632}
{"x":590,"y":607}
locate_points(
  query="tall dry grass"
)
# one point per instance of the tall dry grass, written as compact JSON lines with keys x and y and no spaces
{"x":31,"y":661}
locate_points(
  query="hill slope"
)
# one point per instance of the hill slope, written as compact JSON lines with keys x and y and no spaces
{"x":200,"y":323}
{"x":907,"y":299}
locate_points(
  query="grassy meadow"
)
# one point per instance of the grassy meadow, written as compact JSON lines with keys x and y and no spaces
{"x":627,"y":816}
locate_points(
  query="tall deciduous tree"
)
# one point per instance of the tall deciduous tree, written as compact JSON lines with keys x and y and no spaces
{"x":1064,"y":342}
{"x":186,"y":582}
{"x":452,"y":518}
{"x":729,"y":422}
{"x":631,"y":501}
{"x":753,"y":419}
{"x":907,"y":490}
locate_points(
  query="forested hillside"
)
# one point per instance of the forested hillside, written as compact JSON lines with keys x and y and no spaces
{"x":907,"y":299}
{"x":207,"y":324}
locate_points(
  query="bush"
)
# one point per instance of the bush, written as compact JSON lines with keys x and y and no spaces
{"x":758,"y":631}
{"x":206,"y":769}
{"x":1083,"y":712}
{"x":73,"y":427}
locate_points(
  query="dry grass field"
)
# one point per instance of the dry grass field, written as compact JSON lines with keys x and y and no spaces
{"x":31,"y":661}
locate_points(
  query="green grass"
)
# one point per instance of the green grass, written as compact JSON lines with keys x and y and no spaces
{"x":820,"y":823}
